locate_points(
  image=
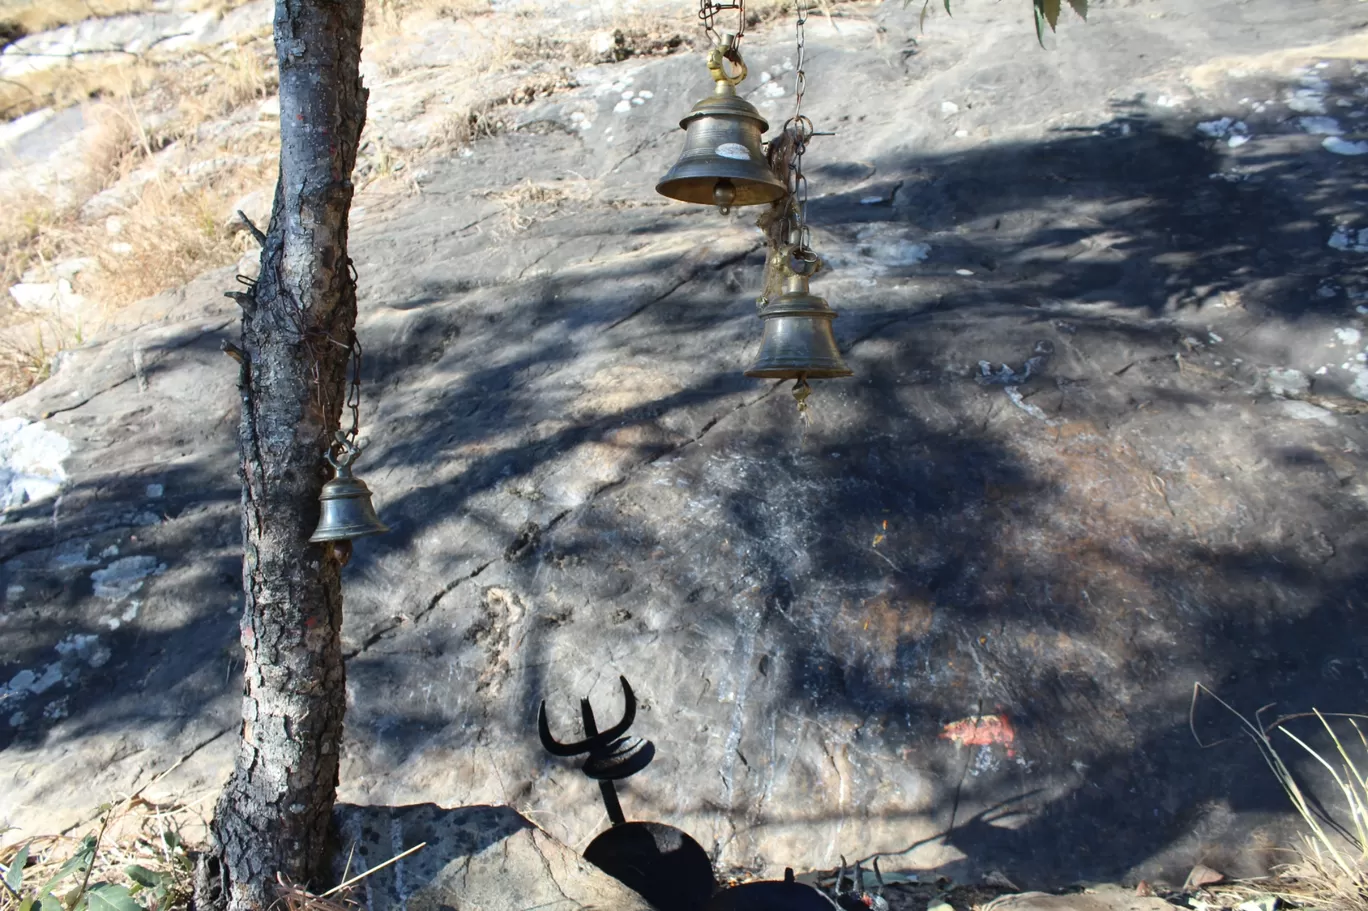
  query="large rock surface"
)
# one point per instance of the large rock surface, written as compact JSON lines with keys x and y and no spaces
{"x":945,"y":618}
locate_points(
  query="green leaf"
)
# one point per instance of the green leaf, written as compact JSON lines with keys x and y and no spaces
{"x":171,"y":838}
{"x":947,"y":8}
{"x":108,"y":897}
{"x":921,"y":22}
{"x":75,"y":864}
{"x":1051,"y":10}
{"x":1039,"y":23}
{"x":1080,"y":7}
{"x":15,"y":877}
{"x":28,"y":903}
{"x":145,"y":877}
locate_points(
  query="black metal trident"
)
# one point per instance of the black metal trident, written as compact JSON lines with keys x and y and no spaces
{"x":612,"y":755}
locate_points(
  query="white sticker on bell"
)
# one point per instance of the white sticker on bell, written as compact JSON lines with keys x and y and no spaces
{"x":733,"y":150}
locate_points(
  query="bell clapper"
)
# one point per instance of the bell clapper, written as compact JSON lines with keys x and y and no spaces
{"x":801,"y":391}
{"x":724,"y":194}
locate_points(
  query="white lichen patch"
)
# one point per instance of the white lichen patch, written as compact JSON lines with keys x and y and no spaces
{"x":1320,"y":126}
{"x":83,"y":647}
{"x":73,"y":555}
{"x":1234,"y":132}
{"x":1349,"y":240}
{"x":1348,"y":336}
{"x":124,"y":577}
{"x":1307,"y":101}
{"x":114,"y":621}
{"x":31,"y":458}
{"x":73,"y":652}
{"x":1359,"y":389}
{"x":1343,"y":146}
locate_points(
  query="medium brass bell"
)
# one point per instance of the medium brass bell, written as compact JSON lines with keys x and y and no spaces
{"x":722,"y":164}
{"x":798,"y":343}
{"x":347,"y":510}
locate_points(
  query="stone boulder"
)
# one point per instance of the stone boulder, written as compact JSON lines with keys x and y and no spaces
{"x":486,"y":858}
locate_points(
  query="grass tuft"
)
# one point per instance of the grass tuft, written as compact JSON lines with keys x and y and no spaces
{"x":1331,"y":869}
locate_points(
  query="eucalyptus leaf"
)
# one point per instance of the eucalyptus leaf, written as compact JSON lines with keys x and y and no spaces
{"x":1080,"y":7}
{"x":108,"y":897}
{"x":14,"y":877}
{"x":1039,"y":23}
{"x":144,"y":877}
{"x":28,"y":903}
{"x":75,"y":864}
{"x":947,"y":8}
{"x":1051,"y":10}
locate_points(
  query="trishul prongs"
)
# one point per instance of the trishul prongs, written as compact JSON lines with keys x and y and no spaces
{"x":594,"y":740}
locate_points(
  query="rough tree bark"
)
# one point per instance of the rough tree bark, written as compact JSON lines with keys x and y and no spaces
{"x":273,"y":815}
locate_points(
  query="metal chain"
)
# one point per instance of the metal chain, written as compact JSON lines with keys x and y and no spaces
{"x":354,"y":344}
{"x":354,"y":390}
{"x":800,"y":128}
{"x":708,"y":11}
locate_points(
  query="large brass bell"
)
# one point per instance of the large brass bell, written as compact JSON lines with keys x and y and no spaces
{"x":722,"y":164}
{"x":798,"y":343}
{"x":347,"y":510}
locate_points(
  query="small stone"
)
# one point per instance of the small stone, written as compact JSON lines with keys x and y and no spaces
{"x":255,"y":205}
{"x":70,"y":268}
{"x":1202,"y":875}
{"x":949,"y":107}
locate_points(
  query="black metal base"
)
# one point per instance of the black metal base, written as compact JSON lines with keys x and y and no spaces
{"x":662,"y":864}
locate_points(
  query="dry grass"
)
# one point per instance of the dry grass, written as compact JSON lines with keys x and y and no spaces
{"x":34,"y":16}
{"x":222,"y":81}
{"x":73,"y":83}
{"x":135,"y":840}
{"x":1331,"y":870}
{"x":175,"y":228}
{"x":142,"y":849}
{"x":529,"y":202}
{"x":209,"y":83}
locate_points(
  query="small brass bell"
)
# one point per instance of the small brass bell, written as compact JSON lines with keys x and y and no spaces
{"x":798,"y":343}
{"x":722,"y":164}
{"x":347,"y":510}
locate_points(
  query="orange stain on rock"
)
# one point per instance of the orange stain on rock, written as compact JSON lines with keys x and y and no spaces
{"x":982,"y":730}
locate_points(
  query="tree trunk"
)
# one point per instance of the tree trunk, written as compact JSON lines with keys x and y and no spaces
{"x":274,"y":813}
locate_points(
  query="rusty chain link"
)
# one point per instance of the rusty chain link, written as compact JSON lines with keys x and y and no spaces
{"x":708,"y":11}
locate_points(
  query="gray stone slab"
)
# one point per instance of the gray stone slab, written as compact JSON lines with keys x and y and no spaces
{"x":476,"y":859}
{"x":1102,"y":898}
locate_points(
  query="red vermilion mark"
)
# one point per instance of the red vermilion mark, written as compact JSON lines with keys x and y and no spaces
{"x":982,"y":731}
